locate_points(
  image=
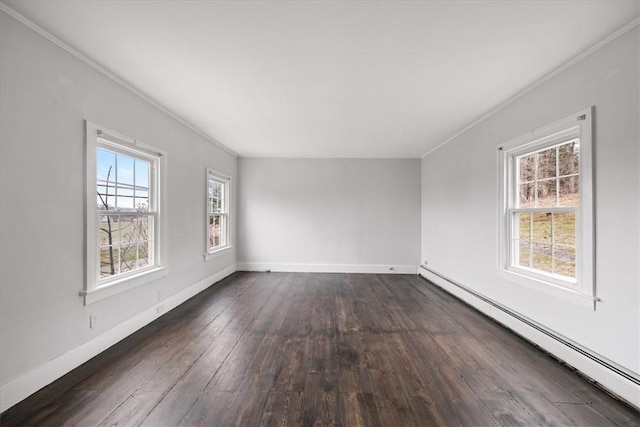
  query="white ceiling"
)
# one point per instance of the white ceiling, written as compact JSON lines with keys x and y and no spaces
{"x":330,"y":79}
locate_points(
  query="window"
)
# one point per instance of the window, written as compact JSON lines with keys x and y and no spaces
{"x":217,"y":211}
{"x":547,"y":205}
{"x":123,"y":212}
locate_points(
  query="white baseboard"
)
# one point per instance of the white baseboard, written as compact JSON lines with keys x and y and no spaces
{"x":328,"y":268}
{"x":22,"y":387}
{"x":617,"y":384}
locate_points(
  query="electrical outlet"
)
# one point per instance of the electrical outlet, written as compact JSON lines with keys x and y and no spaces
{"x":160,"y":295}
{"x":160,"y":308}
{"x":93,"y":321}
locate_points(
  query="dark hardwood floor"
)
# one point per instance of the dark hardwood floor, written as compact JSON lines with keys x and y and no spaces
{"x":319,"y":350}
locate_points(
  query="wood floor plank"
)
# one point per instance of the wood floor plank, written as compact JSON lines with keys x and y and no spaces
{"x":320,"y":408}
{"x":290,"y":349}
{"x":352,"y":372}
{"x":209,"y":409}
{"x":246,"y":408}
{"x":283,"y":409}
{"x":262,"y":372}
{"x":134,"y":409}
{"x":235,"y":367}
{"x":358,"y":409}
{"x":291,"y":372}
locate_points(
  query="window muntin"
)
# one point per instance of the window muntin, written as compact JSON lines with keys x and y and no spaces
{"x":217,"y":211}
{"x":546,"y":225}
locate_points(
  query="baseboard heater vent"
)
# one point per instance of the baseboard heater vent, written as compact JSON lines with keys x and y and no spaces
{"x":565,"y":341}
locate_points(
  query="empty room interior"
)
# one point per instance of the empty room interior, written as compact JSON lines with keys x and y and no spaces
{"x":319,"y":213}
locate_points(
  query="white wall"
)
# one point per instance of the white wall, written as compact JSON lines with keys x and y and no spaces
{"x":459,"y":202}
{"x":46,"y":95}
{"x":357,"y":212}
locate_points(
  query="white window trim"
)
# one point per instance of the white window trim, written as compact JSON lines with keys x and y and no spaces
{"x":94,"y":288}
{"x":221,"y":250}
{"x":583,"y":291}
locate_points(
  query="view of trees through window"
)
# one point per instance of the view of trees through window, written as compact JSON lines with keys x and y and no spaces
{"x":548,"y":198}
{"x":125,"y":221}
{"x":217,"y":218}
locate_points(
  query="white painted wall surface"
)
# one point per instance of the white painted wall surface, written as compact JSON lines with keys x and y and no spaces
{"x":329,"y":211}
{"x":46,"y":95}
{"x":459,"y":201}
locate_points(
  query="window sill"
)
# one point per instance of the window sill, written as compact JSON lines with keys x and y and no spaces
{"x":218,"y":253}
{"x":126,"y":283}
{"x":572,"y":296}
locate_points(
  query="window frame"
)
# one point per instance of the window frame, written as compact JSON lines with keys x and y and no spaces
{"x":225,"y":180}
{"x":579,"y":125}
{"x":96,"y":288}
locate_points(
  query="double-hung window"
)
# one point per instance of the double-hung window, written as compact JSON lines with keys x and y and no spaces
{"x":123,"y":213}
{"x":218,"y":189}
{"x":546,"y":210}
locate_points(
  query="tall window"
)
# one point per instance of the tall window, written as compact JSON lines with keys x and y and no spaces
{"x":123,"y":212}
{"x":217,"y":211}
{"x":547,"y":212}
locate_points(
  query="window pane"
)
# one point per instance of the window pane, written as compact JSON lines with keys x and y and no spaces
{"x":546,"y":193}
{"x":105,"y":165}
{"x":141,"y":186}
{"x":564,"y":228}
{"x":527,"y":195}
{"x":124,"y":199}
{"x":125,"y":169}
{"x":143,"y":254}
{"x":142,"y":204}
{"x":128,"y":229}
{"x":109,"y":264}
{"x":141,"y":200}
{"x":569,"y":158}
{"x":128,"y":258}
{"x":144,"y":228}
{"x":214,"y":196}
{"x":216,"y":193}
{"x":565,"y":261}
{"x":223,"y":230}
{"x":142,"y":174}
{"x":216,"y":230}
{"x":211,"y":234}
{"x":527,"y":165}
{"x":524,"y":225}
{"x":542,"y":257}
{"x":542,"y":227}
{"x":569,"y":191}
{"x":106,"y":192}
{"x":546,"y":163}
{"x":217,"y":235}
{"x":524,"y":253}
{"x":222,"y":207}
{"x":105,"y":230}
